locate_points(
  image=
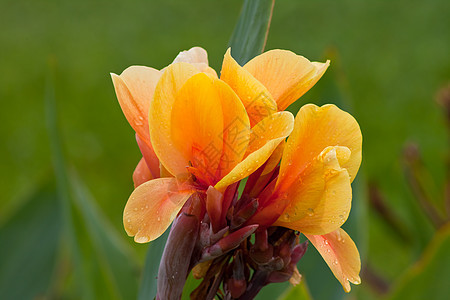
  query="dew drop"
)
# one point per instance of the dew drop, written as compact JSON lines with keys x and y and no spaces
{"x":310,"y":212}
{"x":129,"y":220}
{"x":159,"y":218}
{"x":135,"y":209}
{"x":146,"y":206}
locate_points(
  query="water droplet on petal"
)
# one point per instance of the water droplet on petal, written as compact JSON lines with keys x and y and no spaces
{"x":310,"y":212}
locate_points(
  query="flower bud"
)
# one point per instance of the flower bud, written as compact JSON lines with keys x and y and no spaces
{"x":228,"y":243}
{"x":174,"y":266}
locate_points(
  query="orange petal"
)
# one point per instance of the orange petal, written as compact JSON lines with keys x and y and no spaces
{"x":274,"y":159}
{"x":315,"y":129}
{"x":264,"y":139}
{"x":286,"y":75}
{"x":236,"y":128}
{"x":160,"y":112}
{"x":319,"y":200}
{"x":152,"y":207}
{"x":149,"y":155}
{"x":340,"y":253}
{"x":263,"y":177}
{"x":254,"y":95}
{"x":197,"y":125}
{"x":141,"y":174}
{"x":134,"y":90}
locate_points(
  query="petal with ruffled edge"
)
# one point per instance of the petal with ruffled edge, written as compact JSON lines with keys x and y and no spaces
{"x":315,"y":129}
{"x":320,"y":199}
{"x":254,"y":95}
{"x":174,"y":77}
{"x":264,"y":139}
{"x":286,"y":75}
{"x":153,"y":206}
{"x":134,"y":90}
{"x":340,"y":253}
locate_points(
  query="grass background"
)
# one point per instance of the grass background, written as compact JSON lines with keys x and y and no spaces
{"x":389,"y":60}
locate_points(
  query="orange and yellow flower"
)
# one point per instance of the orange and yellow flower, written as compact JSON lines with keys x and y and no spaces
{"x":201,"y":134}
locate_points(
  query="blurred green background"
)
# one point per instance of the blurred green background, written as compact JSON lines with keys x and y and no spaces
{"x":390,"y":63}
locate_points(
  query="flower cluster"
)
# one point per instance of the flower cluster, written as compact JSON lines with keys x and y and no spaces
{"x":239,"y":177}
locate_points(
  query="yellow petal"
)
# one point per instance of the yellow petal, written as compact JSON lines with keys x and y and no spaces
{"x":153,"y":206}
{"x":174,"y":77}
{"x":264,"y":139}
{"x":134,"y":90}
{"x":319,"y":200}
{"x":340,"y":253}
{"x":256,"y":98}
{"x":315,"y":129}
{"x":286,"y":75}
{"x":141,"y":174}
{"x":197,"y":125}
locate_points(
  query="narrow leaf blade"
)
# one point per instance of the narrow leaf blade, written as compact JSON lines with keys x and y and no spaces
{"x":250,"y":34}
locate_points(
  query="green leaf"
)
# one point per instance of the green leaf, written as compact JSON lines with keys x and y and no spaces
{"x":250,"y":34}
{"x":155,"y":250}
{"x":273,"y":291}
{"x":103,"y":266}
{"x":115,"y":258}
{"x":29,"y":245}
{"x":428,"y":279}
{"x":298,"y":292}
{"x":82,"y":285}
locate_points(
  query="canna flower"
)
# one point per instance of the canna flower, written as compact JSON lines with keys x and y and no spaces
{"x":200,"y":135}
{"x":200,"y":132}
